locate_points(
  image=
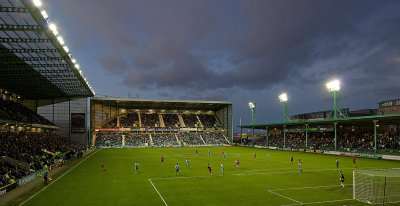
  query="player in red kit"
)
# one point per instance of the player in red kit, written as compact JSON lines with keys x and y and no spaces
{"x":255,"y":155}
{"x":102,"y":166}
{"x":209,"y":169}
{"x":162,"y":160}
{"x":354,"y":161}
{"x":197,"y":151}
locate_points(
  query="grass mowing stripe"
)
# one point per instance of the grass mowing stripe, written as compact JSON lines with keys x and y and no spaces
{"x":58,"y":178}
{"x":158,"y":193}
{"x":285,"y":197}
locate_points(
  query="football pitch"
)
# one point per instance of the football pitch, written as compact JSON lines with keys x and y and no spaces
{"x":255,"y":182}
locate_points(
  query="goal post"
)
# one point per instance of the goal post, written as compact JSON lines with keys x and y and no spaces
{"x":381,"y":186}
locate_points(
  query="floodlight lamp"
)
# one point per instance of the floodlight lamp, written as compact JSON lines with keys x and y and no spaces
{"x":252,"y":105}
{"x":73,"y":61}
{"x":53,"y":28}
{"x":37,"y":3}
{"x":66,"y":49}
{"x":333,"y":86}
{"x":61,"y":40}
{"x":77,"y":66}
{"x":44,"y":14}
{"x":283,"y":97}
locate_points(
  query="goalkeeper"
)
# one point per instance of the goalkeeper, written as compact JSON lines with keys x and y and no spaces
{"x":341,"y":178}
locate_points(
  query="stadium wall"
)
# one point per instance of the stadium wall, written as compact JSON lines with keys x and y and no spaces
{"x":63,"y":115}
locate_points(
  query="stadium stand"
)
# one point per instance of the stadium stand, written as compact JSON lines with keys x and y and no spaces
{"x":34,"y":149}
{"x":10,"y":110}
{"x":325,"y":140}
{"x":111,"y":124}
{"x":10,"y":173}
{"x":171,"y":120}
{"x":190,"y":138}
{"x":150,"y":120}
{"x":207,"y":120}
{"x":164,"y":139}
{"x":135,"y":139}
{"x":130,"y":120}
{"x":214,"y":138}
{"x":190,"y":120}
{"x":108,"y":139}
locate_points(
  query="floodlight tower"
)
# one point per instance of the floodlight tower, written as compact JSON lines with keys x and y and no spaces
{"x":334,"y":88}
{"x":283,"y":98}
{"x":253,"y":112}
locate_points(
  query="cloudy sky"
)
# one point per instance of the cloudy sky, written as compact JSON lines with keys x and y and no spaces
{"x":237,"y":51}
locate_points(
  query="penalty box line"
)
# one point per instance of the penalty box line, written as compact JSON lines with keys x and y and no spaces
{"x":286,"y":197}
{"x":306,"y":203}
{"x":158,"y":192}
{"x":59,"y":177}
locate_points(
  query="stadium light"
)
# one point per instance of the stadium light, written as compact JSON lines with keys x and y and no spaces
{"x":61,"y":40}
{"x":73,"y":61}
{"x":334,"y":87}
{"x":252,"y":106}
{"x":37,"y":3}
{"x":77,"y":66}
{"x":66,"y":49}
{"x":53,"y":28}
{"x":283,"y":98}
{"x":44,"y":14}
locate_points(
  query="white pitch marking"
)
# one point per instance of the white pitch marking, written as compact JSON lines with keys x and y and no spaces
{"x":58,"y":178}
{"x":239,"y":174}
{"x":310,"y":203}
{"x":298,"y":188}
{"x":285,"y":197}
{"x":158,"y":193}
{"x":286,"y":168}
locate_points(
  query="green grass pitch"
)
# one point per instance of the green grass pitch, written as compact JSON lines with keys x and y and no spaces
{"x":255,"y":182}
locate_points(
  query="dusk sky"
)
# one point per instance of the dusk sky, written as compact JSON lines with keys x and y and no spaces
{"x":237,"y":51}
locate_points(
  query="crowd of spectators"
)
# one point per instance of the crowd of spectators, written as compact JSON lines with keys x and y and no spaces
{"x":28,"y":146}
{"x":10,"y":110}
{"x":130,"y":120}
{"x":207,"y":120}
{"x":164,"y":139}
{"x":190,"y":138}
{"x":190,"y":120}
{"x":318,"y":140}
{"x":108,"y":139}
{"x":214,"y":138}
{"x":35,"y":149}
{"x":9,"y":173}
{"x":171,"y":120}
{"x":150,"y":120}
{"x":136,"y":139}
{"x":111,"y":124}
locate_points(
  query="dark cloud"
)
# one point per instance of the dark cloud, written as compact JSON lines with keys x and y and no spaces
{"x":113,"y":64}
{"x":172,"y":44}
{"x":239,"y":49}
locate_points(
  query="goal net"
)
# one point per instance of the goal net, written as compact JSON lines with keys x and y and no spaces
{"x":377,"y":186}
